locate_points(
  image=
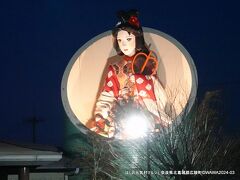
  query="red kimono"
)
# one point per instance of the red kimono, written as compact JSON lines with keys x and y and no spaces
{"x":122,"y":83}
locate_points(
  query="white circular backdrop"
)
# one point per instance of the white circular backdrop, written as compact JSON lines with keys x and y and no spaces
{"x":82,"y":78}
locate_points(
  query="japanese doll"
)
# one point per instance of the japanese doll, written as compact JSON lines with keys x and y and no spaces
{"x":132,"y":76}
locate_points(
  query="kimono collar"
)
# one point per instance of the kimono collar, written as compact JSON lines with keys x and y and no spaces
{"x":128,"y":58}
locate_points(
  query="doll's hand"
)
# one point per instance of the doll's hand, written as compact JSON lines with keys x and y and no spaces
{"x":124,"y":93}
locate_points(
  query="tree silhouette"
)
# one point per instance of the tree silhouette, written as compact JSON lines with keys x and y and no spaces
{"x":179,"y":151}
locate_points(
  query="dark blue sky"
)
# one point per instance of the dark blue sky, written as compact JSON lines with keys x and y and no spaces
{"x":38,"y":38}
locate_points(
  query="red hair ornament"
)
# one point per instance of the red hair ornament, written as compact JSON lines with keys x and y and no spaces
{"x":133,"y":20}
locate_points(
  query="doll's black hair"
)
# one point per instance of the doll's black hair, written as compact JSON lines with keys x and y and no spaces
{"x":126,"y":25}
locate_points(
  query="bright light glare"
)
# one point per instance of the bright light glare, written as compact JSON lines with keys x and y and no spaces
{"x":135,"y":126}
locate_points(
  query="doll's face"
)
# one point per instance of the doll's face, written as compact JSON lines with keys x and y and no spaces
{"x":126,"y":42}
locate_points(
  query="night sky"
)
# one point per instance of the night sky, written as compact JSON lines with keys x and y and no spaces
{"x":38,"y":39}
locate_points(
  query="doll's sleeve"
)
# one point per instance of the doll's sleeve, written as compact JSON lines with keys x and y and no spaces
{"x":106,"y":102}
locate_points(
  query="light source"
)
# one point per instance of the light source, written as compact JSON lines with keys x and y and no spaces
{"x":135,"y":126}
